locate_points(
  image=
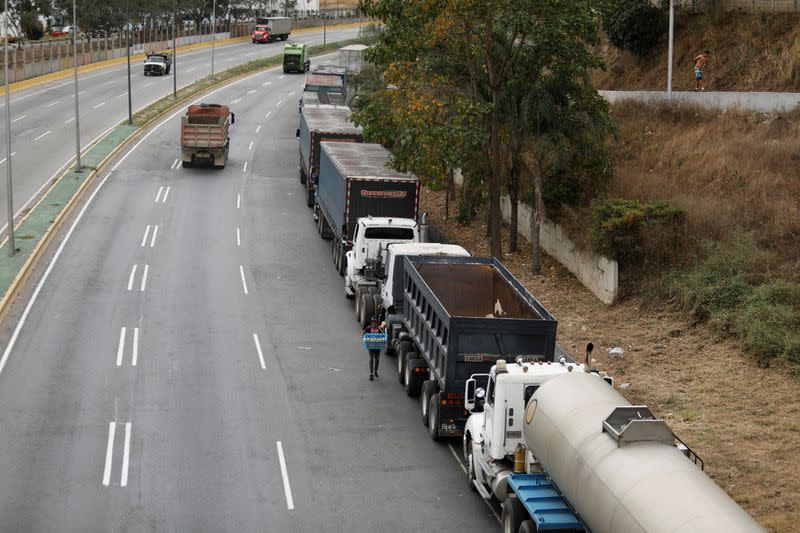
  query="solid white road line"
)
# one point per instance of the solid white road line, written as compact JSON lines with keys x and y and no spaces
{"x":112,"y":427}
{"x":260,"y":353}
{"x":99,"y":105}
{"x":146,"y":233}
{"x":238,"y":238}
{"x":285,"y":475}
{"x":130,"y":279}
{"x":244,"y":168}
{"x":251,"y":146}
{"x":18,"y":118}
{"x":4,"y":160}
{"x":153,"y":239}
{"x":144,"y":278}
{"x":121,"y":346}
{"x":258,"y":128}
{"x":135,"y":346}
{"x":45,"y":134}
{"x":461,"y":465}
{"x":166,"y":193}
{"x":51,"y":104}
{"x":238,"y":201}
{"x":158,"y":196}
{"x":244,"y":283}
{"x":126,"y":455}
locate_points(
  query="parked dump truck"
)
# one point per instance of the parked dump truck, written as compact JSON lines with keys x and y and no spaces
{"x":313,"y":99}
{"x":355,"y":183}
{"x":204,"y":135}
{"x":158,"y":63}
{"x":328,"y":69}
{"x":296,"y":57}
{"x":459,"y":316}
{"x":271,"y":29}
{"x":317,"y":125}
{"x":587,"y":459}
{"x":324,"y":83}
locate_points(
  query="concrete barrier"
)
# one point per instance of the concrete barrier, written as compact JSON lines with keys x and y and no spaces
{"x":763,"y":102}
{"x":599,"y":274}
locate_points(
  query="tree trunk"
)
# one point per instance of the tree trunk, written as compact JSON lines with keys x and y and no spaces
{"x":513,"y":194}
{"x":451,"y":193}
{"x":536,"y":222}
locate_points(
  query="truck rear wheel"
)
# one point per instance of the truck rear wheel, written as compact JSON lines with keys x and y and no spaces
{"x":528,"y":526}
{"x":325,"y":232}
{"x":309,"y":196}
{"x":367,"y":309}
{"x":433,"y":417}
{"x":413,"y":379}
{"x":513,"y":515}
{"x":342,"y":266}
{"x":359,"y":293}
{"x":402,"y":350}
{"x":429,"y":388}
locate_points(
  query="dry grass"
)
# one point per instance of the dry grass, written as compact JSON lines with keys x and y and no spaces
{"x":749,"y":53}
{"x":741,"y":418}
{"x":727,"y":171}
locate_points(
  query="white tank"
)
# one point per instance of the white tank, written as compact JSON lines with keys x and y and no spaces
{"x":640,"y":486}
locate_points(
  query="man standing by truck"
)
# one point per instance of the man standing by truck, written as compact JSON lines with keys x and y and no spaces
{"x":374,"y":354}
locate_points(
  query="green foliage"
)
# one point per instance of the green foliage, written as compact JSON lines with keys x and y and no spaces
{"x":31,"y":26}
{"x":634,"y":25}
{"x":625,"y":229}
{"x":769,"y":323}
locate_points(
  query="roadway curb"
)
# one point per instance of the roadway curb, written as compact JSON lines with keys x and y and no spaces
{"x":61,"y":74}
{"x":42,"y":246}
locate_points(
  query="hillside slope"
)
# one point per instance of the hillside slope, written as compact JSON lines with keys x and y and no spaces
{"x":749,"y":53}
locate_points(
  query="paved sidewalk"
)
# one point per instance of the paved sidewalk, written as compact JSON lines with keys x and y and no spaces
{"x":763,"y":102}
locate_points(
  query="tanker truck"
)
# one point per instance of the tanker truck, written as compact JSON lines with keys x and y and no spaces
{"x":561,"y":449}
{"x":459,"y":316}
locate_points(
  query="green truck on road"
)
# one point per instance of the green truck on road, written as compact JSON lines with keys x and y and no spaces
{"x":295,"y":58}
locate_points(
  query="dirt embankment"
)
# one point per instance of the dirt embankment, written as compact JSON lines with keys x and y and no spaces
{"x":749,"y":53}
{"x":742,"y":419}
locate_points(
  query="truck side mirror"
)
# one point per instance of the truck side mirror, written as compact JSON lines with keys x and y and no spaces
{"x":470,"y":394}
{"x":297,"y":134}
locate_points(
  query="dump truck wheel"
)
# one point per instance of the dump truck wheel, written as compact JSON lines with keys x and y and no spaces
{"x":367,"y":310}
{"x":186,"y":164}
{"x":513,"y":514}
{"x":429,"y":388}
{"x":414,"y":379}
{"x":528,"y":526}
{"x":309,"y":197}
{"x":433,"y":417}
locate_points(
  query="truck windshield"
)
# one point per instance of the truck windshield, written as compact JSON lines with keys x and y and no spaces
{"x":260,"y":28}
{"x":401,"y":234}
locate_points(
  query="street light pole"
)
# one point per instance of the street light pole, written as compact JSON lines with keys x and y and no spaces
{"x":11,"y":246}
{"x":128,"y":51}
{"x":671,"y":47}
{"x":78,"y":166}
{"x":213,"y":33}
{"x":324,"y":29}
{"x":174,"y":52}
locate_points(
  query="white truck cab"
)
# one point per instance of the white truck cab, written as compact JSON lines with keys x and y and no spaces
{"x":498,"y":402}
{"x":365,"y":261}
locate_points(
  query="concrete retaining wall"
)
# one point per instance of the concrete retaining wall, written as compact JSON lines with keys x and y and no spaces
{"x":599,"y":274}
{"x":762,"y":102}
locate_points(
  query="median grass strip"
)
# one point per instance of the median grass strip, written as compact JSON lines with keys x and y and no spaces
{"x":34,"y":231}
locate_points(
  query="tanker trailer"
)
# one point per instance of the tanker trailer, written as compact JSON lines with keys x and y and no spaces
{"x":621,"y":469}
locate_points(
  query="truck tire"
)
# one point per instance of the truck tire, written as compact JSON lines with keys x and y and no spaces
{"x":403,"y":349}
{"x":528,"y":526}
{"x":325,"y":228}
{"x":186,"y":164}
{"x":359,"y":292}
{"x":433,"y":417}
{"x":429,"y":388}
{"x":376,"y":304}
{"x":309,"y":197}
{"x":367,"y":310}
{"x":514,"y":514}
{"x":337,"y":256}
{"x":470,"y":460}
{"x":342,"y":259}
{"x":413,"y":380}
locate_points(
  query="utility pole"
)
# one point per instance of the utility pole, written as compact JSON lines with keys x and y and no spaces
{"x":78,"y":166}
{"x":128,"y":51}
{"x":324,"y":28}
{"x":174,"y":52}
{"x":11,"y":247}
{"x":671,"y":47}
{"x":213,"y":33}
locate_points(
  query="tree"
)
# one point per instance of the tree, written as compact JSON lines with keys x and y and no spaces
{"x":288,"y":7}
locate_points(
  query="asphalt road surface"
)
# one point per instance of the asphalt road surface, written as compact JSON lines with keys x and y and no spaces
{"x":190,"y":362}
{"x":43,"y":117}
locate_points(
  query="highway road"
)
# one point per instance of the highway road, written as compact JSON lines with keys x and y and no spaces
{"x":42,"y":117}
{"x":189,"y":362}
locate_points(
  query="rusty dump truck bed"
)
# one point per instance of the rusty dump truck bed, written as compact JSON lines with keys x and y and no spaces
{"x":204,"y":134}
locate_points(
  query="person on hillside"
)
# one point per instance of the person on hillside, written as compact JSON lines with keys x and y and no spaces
{"x":700,"y":63}
{"x":374,"y":355}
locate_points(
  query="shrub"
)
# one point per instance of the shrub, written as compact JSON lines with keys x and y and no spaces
{"x":769,"y":324}
{"x":31,"y":26}
{"x":630,"y":231}
{"x":634,"y":25}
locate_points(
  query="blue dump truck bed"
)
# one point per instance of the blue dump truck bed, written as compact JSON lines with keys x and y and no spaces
{"x":462,"y":314}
